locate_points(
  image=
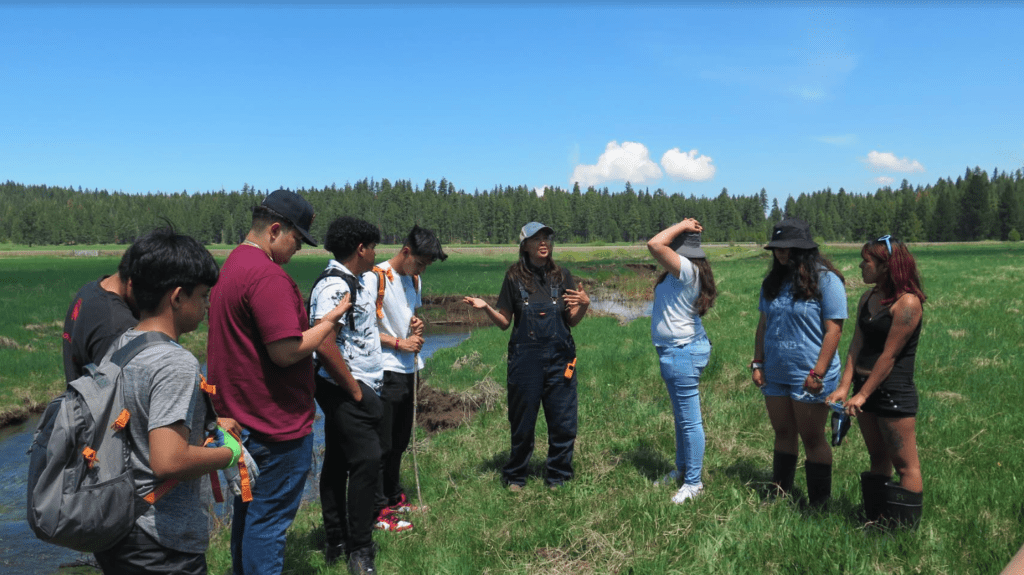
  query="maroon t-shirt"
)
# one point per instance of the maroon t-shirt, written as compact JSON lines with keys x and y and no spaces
{"x":255,"y":303}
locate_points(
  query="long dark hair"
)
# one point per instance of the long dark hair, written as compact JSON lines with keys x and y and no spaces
{"x":520,"y":271}
{"x":803,"y":269}
{"x":708,"y":290}
{"x":903,"y":276}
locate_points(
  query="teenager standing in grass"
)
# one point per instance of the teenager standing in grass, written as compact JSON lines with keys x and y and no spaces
{"x":796,"y":363}
{"x":683,"y":294}
{"x":880,"y":366}
{"x":539,"y":296}
{"x":398,"y":288}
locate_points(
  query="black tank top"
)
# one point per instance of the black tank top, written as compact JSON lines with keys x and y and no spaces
{"x":875,"y":329}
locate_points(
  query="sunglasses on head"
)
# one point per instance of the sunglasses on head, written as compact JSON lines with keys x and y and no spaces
{"x":886,"y":239}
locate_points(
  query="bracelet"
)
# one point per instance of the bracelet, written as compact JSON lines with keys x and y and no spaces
{"x":397,"y":341}
{"x":815,"y":377}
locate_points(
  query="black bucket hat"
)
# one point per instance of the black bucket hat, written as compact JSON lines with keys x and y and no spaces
{"x":791,"y":233}
{"x":687,"y":244}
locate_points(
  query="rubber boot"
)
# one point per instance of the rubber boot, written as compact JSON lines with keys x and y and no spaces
{"x":783,"y":473}
{"x":819,"y":484}
{"x":872,"y":490}
{"x":902,"y":507}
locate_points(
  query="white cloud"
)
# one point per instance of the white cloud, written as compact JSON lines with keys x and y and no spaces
{"x":687,"y":166}
{"x":540,"y":191}
{"x":888,"y":162}
{"x":884,"y":181}
{"x":629,"y":162}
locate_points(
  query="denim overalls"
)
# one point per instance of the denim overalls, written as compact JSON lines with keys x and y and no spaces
{"x":539,"y":351}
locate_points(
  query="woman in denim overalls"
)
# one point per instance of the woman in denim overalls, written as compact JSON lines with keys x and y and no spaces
{"x":539,"y":296}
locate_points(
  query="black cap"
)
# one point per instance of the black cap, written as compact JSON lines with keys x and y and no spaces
{"x":295,"y":209}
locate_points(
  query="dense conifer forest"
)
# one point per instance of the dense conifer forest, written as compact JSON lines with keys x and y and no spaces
{"x":976,"y":206}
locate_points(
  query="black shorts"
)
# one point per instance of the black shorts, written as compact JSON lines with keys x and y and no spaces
{"x":890,"y":399}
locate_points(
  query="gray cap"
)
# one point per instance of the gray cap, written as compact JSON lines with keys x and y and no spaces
{"x":687,"y":244}
{"x":531,"y":229}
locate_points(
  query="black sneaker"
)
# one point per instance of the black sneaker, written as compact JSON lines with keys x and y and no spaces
{"x":360,"y":561}
{"x":334,"y":552}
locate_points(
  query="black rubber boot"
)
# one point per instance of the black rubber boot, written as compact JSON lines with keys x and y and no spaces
{"x":872,"y":490}
{"x":783,"y":473}
{"x":902,"y":507}
{"x":819,"y":484}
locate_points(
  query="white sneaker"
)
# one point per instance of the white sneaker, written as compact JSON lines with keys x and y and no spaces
{"x":686,"y":492}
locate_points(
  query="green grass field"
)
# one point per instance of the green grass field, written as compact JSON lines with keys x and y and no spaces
{"x":610,"y":519}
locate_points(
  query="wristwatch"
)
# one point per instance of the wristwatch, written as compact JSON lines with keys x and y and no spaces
{"x":756,"y":365}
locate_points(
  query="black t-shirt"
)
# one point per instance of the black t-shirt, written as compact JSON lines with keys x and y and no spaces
{"x":95,"y":319}
{"x":509,"y":298}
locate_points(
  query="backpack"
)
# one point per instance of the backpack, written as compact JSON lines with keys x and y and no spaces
{"x":80,"y":489}
{"x":380,"y":272}
{"x":353,"y":287}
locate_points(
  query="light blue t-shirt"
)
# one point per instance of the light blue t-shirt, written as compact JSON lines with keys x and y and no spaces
{"x":674,"y":318}
{"x":795,"y":330}
{"x":360,"y":347}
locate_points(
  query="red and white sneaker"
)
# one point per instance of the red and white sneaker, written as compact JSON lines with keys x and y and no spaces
{"x":403,"y":506}
{"x":387,"y":521}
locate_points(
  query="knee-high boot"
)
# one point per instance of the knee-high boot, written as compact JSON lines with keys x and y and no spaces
{"x":902,"y":507}
{"x":783,"y":472}
{"x":819,"y":483}
{"x":872,"y":490}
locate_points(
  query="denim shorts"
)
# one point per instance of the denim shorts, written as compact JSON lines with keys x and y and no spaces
{"x":798,"y":393}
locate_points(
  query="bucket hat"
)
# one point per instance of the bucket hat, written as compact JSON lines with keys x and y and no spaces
{"x":687,"y":244}
{"x":295,"y":209}
{"x":531,"y":229}
{"x":791,"y":233}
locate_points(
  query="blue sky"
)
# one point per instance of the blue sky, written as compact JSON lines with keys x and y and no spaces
{"x":688,"y":97}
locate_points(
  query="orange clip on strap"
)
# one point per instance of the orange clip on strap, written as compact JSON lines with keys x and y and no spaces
{"x":206,"y":386}
{"x":90,"y":455}
{"x":122,"y":420}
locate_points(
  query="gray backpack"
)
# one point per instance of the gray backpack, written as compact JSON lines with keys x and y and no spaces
{"x":80,"y":489}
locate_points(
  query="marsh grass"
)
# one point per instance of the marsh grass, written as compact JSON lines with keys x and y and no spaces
{"x":610,"y":519}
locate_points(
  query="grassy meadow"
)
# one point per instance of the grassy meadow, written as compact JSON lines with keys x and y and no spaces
{"x":610,"y":519}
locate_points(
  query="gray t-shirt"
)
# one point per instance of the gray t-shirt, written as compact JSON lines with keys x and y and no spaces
{"x":161,"y":388}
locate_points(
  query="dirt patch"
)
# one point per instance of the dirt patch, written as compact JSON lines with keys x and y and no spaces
{"x":439,"y":410}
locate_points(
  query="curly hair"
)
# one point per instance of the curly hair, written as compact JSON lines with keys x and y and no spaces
{"x":902,"y":276}
{"x":804,"y":271}
{"x":346,"y":233}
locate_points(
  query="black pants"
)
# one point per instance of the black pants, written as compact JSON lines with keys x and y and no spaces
{"x":396,"y":430}
{"x":348,"y":481}
{"x":140,"y":554}
{"x":536,"y":376}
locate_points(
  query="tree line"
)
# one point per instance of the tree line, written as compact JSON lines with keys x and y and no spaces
{"x":976,"y":206}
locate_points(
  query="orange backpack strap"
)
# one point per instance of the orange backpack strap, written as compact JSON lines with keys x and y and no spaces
{"x":160,"y":491}
{"x":381,"y":284}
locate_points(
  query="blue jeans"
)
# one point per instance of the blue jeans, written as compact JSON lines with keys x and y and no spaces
{"x":681,"y":368}
{"x":258,"y":527}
